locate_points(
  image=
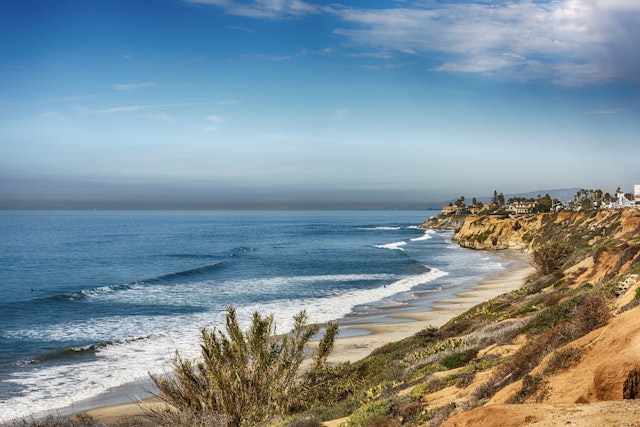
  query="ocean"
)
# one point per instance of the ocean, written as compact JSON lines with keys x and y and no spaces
{"x":94,"y":300}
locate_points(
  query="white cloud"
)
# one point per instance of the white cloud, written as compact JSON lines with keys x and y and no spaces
{"x":226,"y":102}
{"x":138,"y":107}
{"x":213,"y":118}
{"x":263,"y":9}
{"x":246,"y":30}
{"x":124,"y":108}
{"x":133,"y":86}
{"x":162,"y":117}
{"x":569,"y":42}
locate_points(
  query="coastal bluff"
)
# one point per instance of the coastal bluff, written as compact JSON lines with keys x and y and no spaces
{"x":582,"y":357}
{"x":492,"y":232}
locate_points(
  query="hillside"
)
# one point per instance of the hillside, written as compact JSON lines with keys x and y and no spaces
{"x":562,"y":350}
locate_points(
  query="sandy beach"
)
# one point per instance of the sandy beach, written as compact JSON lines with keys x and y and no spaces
{"x":361,"y":334}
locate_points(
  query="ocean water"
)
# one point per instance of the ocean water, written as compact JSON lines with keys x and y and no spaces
{"x":94,"y":300}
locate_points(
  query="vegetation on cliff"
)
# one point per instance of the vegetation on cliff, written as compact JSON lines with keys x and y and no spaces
{"x":506,"y":350}
{"x":588,"y":264}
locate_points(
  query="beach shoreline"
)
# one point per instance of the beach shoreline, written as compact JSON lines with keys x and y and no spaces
{"x":360,"y":334}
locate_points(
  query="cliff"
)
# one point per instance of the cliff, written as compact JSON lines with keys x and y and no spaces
{"x":493,"y":232}
{"x":578,"y":361}
{"x":564,"y":349}
{"x":444,"y":222}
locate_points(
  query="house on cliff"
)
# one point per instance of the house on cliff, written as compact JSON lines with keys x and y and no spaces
{"x":449,"y":210}
{"x":620,"y":203}
{"x":485,"y":207}
{"x":522,"y":207}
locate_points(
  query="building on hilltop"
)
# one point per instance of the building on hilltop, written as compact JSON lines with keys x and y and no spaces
{"x":636,"y":194}
{"x":622,"y":202}
{"x":522,"y":207}
{"x":475,"y":210}
{"x":449,"y":210}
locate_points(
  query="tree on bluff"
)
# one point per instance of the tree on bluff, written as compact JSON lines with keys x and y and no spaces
{"x":244,"y":378}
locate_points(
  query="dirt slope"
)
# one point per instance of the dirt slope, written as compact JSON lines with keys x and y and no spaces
{"x":602,"y":414}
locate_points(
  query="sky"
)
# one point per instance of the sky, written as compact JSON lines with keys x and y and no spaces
{"x":294,"y":104}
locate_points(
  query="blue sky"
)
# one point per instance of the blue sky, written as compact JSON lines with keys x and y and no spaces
{"x":286,"y":103}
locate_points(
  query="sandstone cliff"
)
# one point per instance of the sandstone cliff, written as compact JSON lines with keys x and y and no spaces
{"x":590,"y":372}
{"x":493,"y":232}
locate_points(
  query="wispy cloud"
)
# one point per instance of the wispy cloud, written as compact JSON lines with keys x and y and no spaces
{"x":569,"y":42}
{"x":162,"y":117}
{"x":133,"y":86}
{"x":139,"y":107}
{"x":238,"y":28}
{"x":263,"y":9}
{"x":606,"y":111}
{"x":215,"y":120}
{"x":265,"y":57}
{"x":226,"y":102}
{"x":566,"y":42}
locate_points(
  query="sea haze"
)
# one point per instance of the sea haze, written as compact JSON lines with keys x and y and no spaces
{"x":95,"y":300}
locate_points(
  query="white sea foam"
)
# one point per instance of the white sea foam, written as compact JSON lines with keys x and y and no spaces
{"x":428,"y":234}
{"x":132,"y":358}
{"x":396,"y":246}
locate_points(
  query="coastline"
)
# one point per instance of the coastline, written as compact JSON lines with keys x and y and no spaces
{"x":363,"y":333}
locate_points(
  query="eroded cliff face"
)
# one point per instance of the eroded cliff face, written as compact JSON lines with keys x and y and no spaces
{"x":523,"y":232}
{"x":494,"y":232}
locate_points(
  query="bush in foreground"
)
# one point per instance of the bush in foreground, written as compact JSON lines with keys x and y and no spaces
{"x":245,"y":378}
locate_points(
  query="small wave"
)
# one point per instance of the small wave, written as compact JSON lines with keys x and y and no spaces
{"x":107,"y":290}
{"x":396,"y":246}
{"x":187,"y":273}
{"x":78,"y":351}
{"x":428,"y":234}
{"x":86,"y":293}
{"x":387,"y":228}
{"x":69,"y":353}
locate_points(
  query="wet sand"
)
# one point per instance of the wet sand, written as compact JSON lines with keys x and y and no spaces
{"x":361,"y":334}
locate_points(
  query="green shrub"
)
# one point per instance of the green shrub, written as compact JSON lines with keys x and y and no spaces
{"x":458,"y":359}
{"x":373,"y":410}
{"x":246,"y":376}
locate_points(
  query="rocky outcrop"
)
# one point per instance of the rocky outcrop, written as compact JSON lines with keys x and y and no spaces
{"x":444,"y":222}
